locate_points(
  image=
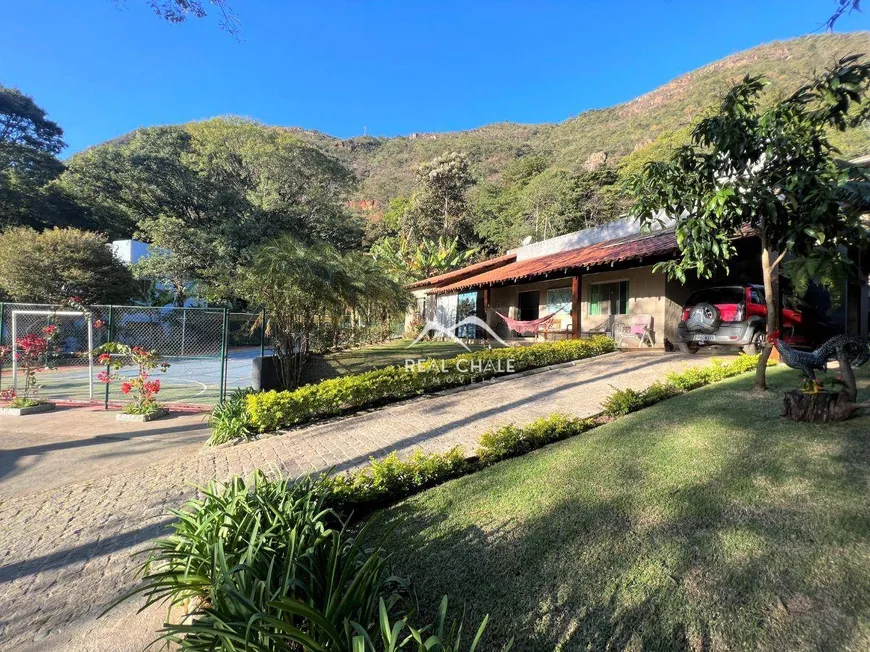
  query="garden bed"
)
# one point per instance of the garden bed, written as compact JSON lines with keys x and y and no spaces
{"x":24,"y":411}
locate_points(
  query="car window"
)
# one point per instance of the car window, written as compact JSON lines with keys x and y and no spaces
{"x":716,"y":296}
{"x":757,"y":295}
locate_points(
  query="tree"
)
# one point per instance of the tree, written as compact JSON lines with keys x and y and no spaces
{"x":174,"y":256}
{"x":843,"y":7}
{"x":406,"y":262}
{"x":29,"y":145}
{"x":772,"y":171}
{"x":304,"y":287}
{"x":218,"y":189}
{"x":544,"y":203}
{"x":57,"y":264}
{"x":438,"y":204}
{"x":537,"y":200}
{"x":178,"y":11}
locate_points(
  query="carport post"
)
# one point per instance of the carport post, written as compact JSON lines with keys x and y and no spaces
{"x":109,"y":365}
{"x":224,"y":352}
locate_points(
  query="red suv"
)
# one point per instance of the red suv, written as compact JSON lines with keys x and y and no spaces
{"x":733,"y":315}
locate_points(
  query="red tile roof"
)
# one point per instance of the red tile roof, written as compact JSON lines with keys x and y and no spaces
{"x":459,"y":274}
{"x":611,"y":251}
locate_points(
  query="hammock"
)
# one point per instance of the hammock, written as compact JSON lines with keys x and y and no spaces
{"x":531,"y":325}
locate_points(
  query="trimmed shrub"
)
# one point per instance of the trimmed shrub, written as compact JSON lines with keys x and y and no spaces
{"x":624,"y":401}
{"x":272,"y":410}
{"x":511,"y":440}
{"x":392,"y":477}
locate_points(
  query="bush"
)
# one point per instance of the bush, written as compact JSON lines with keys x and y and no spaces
{"x":266,"y":565}
{"x":511,"y":440}
{"x":53,"y":265}
{"x":624,"y":401}
{"x":229,"y":420}
{"x":272,"y":410}
{"x":621,"y":402}
{"x":393,"y":478}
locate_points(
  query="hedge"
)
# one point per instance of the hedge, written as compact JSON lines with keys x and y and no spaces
{"x":272,"y":410}
{"x":392,"y":478}
{"x":624,"y":401}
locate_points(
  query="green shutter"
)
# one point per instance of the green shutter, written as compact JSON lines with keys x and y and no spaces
{"x":594,"y":294}
{"x":623,"y":298}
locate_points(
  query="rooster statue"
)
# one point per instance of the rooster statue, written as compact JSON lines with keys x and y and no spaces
{"x":808,"y":361}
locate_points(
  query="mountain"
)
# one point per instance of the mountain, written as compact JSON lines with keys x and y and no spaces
{"x":385,"y":165}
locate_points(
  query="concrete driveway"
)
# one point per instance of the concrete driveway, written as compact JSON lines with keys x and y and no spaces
{"x":79,"y":444}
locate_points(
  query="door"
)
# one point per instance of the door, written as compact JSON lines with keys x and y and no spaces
{"x":528,"y":305}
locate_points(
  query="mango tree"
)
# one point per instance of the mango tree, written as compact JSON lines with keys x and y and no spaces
{"x":771,"y":172}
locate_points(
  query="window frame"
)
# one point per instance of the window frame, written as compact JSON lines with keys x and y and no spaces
{"x":594,"y":298}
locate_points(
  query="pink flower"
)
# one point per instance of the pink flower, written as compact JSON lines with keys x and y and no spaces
{"x":49,"y":330}
{"x":98,"y":323}
{"x":104,"y":377}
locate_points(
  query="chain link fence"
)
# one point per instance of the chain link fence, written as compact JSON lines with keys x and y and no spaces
{"x":209,"y":350}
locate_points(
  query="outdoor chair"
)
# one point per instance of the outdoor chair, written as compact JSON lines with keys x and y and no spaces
{"x":639,"y":328}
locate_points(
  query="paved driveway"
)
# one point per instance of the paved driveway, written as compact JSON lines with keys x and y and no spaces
{"x":66,"y":551}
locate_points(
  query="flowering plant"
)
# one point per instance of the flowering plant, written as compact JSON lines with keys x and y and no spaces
{"x":34,"y":352}
{"x":144,"y":389}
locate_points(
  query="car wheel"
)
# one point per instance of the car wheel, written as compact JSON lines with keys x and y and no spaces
{"x":687,"y":347}
{"x":756,"y":346}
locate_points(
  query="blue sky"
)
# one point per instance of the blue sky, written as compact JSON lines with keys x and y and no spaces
{"x":387,"y":67}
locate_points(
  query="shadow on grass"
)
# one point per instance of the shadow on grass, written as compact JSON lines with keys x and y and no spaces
{"x":703,"y":523}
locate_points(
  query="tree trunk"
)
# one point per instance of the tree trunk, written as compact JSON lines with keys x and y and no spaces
{"x":850,"y":389}
{"x":761,"y":369}
{"x":821,"y":407}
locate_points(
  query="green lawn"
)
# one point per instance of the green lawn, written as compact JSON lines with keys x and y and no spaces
{"x":366,"y":358}
{"x":702,"y":523}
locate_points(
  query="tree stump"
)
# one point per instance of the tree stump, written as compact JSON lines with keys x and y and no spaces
{"x":821,"y":407}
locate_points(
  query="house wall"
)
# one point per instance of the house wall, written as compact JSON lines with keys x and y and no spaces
{"x":646,"y":296}
{"x":504,"y":300}
{"x":417,"y":309}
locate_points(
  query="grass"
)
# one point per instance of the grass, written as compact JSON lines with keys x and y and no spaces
{"x":702,"y":523}
{"x":366,"y":358}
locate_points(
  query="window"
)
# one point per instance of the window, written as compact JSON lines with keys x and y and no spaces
{"x":559,"y":300}
{"x":608,"y":298}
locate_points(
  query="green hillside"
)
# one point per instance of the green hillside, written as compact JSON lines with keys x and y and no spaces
{"x":384,"y":165}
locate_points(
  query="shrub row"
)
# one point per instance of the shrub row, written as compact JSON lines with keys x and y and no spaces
{"x":624,"y":401}
{"x":271,"y":410}
{"x":393,"y":478}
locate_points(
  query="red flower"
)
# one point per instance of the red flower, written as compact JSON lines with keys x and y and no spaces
{"x":98,"y":323}
{"x":152,"y":387}
{"x":126,"y":387}
{"x":104,"y":358}
{"x":49,"y":330}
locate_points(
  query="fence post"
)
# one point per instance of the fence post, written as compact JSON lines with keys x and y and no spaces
{"x":111,"y":337}
{"x":262,"y":331}
{"x":2,"y":309}
{"x":224,"y":333}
